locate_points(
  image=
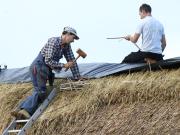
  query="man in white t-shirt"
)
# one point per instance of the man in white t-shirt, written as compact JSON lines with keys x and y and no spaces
{"x":153,"y":38}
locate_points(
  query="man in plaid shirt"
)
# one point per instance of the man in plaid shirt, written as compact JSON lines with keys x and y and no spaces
{"x":41,"y":69}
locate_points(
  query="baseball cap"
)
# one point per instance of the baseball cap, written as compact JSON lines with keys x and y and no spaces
{"x":72,"y":31}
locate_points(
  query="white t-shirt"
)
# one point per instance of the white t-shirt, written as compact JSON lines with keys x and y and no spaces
{"x":152,"y":31}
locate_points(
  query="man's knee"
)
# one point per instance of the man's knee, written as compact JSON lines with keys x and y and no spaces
{"x":134,"y":57}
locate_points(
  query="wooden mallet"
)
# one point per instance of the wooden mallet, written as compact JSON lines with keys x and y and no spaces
{"x":80,"y":53}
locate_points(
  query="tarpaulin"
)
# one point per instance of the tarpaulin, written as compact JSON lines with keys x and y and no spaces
{"x":90,"y":70}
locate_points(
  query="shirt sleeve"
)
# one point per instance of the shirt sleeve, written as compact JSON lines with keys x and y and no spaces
{"x":163,"y":33}
{"x":49,"y":52}
{"x":70,"y":57}
{"x":139,"y":28}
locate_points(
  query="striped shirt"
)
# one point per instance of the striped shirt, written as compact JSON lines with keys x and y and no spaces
{"x":53,"y":52}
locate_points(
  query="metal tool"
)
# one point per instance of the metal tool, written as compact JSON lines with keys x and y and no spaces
{"x":71,"y":85}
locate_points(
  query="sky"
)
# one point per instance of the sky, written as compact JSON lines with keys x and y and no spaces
{"x":26,"y":25}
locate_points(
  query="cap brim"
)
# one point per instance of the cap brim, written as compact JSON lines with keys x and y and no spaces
{"x":76,"y":37}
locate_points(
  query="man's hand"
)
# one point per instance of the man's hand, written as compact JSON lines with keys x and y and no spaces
{"x":69,"y":64}
{"x":128,"y":37}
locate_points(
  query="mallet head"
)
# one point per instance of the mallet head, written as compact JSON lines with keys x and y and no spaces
{"x":81,"y":53}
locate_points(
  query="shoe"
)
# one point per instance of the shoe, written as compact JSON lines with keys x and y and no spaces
{"x":15,"y":112}
{"x":21,"y":114}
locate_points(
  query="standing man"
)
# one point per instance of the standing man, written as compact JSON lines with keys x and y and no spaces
{"x":46,"y":61}
{"x":153,"y":38}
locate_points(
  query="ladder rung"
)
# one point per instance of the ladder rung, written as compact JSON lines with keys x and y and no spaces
{"x":22,"y":121}
{"x":13,"y":131}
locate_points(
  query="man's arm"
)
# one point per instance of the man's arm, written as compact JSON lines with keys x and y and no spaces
{"x":48,"y":52}
{"x":134,"y":38}
{"x":163,"y":42}
{"x":70,"y":57}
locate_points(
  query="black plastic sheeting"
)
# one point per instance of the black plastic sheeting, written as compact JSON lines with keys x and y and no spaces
{"x":90,"y":70}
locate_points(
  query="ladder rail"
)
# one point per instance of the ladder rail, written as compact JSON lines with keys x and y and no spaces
{"x":29,"y":122}
{"x":11,"y":126}
{"x":38,"y":112}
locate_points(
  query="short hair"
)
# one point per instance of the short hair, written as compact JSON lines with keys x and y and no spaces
{"x":145,"y":7}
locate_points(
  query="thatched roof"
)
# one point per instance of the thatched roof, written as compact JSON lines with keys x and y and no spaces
{"x":137,"y":103}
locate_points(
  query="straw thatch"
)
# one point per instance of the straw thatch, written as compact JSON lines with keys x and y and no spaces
{"x":138,"y":103}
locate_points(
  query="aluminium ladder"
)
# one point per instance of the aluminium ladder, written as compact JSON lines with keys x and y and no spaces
{"x":28,"y":123}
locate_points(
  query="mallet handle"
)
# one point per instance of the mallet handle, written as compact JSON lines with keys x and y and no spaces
{"x":73,"y":62}
{"x":76,"y":58}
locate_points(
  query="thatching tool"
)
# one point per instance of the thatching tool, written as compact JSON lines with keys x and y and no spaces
{"x":124,"y":38}
{"x":115,"y":37}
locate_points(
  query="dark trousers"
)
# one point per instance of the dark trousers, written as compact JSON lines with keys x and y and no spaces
{"x":39,"y":72}
{"x":138,"y":57}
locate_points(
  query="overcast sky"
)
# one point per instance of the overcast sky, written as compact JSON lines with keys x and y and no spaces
{"x":26,"y":25}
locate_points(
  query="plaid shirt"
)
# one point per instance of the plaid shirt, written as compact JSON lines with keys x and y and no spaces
{"x":53,"y":52}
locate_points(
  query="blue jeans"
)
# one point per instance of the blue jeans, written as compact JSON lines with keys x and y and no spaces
{"x":39,"y":72}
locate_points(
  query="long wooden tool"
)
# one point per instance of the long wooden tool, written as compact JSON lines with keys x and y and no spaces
{"x":124,"y":38}
{"x":115,"y":37}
